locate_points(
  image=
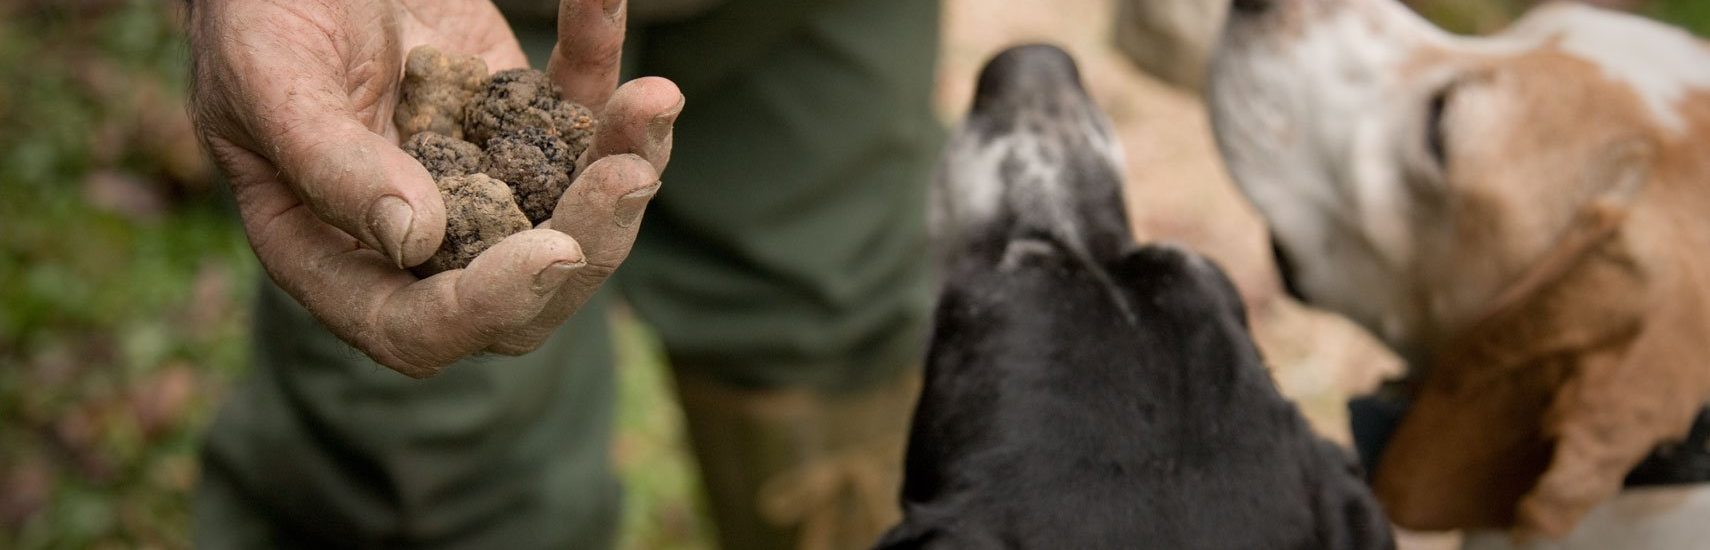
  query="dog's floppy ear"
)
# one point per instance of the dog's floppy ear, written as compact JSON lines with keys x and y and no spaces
{"x":1475,"y":440}
{"x":1617,"y":409}
{"x":1464,"y":455}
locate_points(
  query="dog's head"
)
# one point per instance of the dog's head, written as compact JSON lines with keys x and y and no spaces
{"x":1081,"y":390}
{"x":1409,"y":175}
{"x":1531,"y":199}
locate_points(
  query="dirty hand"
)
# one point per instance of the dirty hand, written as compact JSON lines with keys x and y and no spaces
{"x":294,"y":100}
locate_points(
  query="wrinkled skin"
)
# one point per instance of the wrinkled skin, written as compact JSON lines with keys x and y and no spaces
{"x":294,"y":100}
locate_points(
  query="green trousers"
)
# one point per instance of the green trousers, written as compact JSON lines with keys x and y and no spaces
{"x":785,"y":250}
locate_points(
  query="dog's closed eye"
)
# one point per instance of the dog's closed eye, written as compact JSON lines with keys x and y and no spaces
{"x":1435,"y":140}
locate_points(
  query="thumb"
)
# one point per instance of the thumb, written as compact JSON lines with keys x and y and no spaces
{"x":362,"y":183}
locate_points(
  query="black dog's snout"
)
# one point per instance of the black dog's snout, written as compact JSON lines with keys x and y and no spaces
{"x":1252,"y":6}
{"x":1025,"y":74}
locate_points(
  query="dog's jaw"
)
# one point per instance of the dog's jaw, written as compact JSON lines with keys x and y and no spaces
{"x":1293,"y":88}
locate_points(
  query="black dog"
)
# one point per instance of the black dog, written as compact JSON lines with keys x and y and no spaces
{"x":1085,"y":392}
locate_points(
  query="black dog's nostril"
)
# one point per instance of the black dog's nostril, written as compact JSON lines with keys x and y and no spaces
{"x":1252,"y":6}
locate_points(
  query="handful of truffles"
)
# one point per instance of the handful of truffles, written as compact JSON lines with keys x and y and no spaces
{"x":502,"y":149}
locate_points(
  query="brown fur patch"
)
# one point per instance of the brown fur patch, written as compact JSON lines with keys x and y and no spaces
{"x":1535,"y":420}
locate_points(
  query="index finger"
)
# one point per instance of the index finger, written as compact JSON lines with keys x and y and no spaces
{"x":587,"y":58}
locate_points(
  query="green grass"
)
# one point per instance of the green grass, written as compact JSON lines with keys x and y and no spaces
{"x":660,"y":480}
{"x":1692,"y":14}
{"x":117,"y":340}
{"x":1483,"y":16}
{"x":117,"y":333}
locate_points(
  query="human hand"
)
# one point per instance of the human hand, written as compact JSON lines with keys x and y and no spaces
{"x":294,"y":101}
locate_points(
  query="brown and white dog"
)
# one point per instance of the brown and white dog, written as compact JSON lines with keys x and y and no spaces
{"x":1525,"y":217}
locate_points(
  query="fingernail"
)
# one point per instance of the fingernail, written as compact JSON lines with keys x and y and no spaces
{"x":612,"y":7}
{"x":389,"y":221}
{"x":659,"y":129}
{"x":553,"y":277}
{"x":630,"y":206}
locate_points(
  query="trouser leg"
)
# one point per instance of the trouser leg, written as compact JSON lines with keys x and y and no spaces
{"x":784,"y":262}
{"x":320,"y":447}
{"x":797,"y":468}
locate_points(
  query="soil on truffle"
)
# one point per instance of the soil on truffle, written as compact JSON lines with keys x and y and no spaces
{"x":443,"y":155}
{"x":479,"y":212}
{"x":436,"y":90}
{"x":522,"y":98}
{"x":537,"y":165}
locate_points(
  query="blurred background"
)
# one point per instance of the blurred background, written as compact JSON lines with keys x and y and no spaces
{"x":124,"y":278}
